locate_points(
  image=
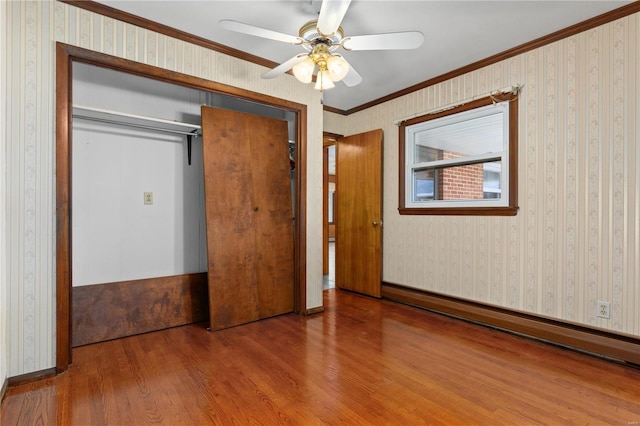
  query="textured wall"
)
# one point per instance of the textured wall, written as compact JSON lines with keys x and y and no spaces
{"x":29,"y":32}
{"x":576,"y":237}
{"x":4,"y":344}
{"x":334,"y":123}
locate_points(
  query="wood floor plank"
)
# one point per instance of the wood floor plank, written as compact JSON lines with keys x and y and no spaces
{"x":362,"y":362}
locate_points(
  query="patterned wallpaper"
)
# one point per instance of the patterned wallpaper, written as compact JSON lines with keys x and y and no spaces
{"x":576,"y":237}
{"x":4,"y":350}
{"x":29,"y":32}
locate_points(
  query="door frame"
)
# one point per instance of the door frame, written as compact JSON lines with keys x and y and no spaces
{"x":328,"y":140}
{"x":66,"y":55}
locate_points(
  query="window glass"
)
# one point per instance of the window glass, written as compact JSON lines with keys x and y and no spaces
{"x":472,"y":136}
{"x":425,"y":185}
{"x":468,"y":182}
{"x":459,"y":160}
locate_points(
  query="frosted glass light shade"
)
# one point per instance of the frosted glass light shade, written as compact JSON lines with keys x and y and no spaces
{"x":323,"y":81}
{"x":303,"y":71}
{"x":338,"y":67}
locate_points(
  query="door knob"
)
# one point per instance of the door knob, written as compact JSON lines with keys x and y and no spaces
{"x":376,"y":223}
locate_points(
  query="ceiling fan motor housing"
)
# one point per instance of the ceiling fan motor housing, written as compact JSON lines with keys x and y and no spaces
{"x":309,"y":33}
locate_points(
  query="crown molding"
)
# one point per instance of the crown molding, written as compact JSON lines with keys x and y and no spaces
{"x":148,"y":24}
{"x":596,"y":21}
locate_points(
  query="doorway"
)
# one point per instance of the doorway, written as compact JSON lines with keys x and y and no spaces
{"x":329,"y":198}
{"x":66,"y":56}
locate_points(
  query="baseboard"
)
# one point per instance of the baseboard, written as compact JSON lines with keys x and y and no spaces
{"x":3,"y":389}
{"x":30,"y":377}
{"x":109,"y":311}
{"x":620,"y":347}
{"x":313,"y":311}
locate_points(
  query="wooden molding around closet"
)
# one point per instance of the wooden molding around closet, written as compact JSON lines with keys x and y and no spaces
{"x":66,"y":55}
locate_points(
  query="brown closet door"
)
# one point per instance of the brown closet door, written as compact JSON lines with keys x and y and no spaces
{"x":248,"y":216}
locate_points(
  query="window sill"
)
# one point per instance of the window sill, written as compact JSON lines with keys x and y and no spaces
{"x":460,"y":211}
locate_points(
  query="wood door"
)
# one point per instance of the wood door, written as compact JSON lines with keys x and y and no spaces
{"x":248,"y":217}
{"x":358,"y":243}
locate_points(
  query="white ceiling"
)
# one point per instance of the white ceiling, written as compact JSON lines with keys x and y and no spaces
{"x":457,"y":33}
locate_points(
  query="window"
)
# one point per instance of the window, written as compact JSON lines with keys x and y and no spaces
{"x":462,"y":160}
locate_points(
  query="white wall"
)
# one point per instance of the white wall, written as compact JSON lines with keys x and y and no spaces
{"x":576,"y":237}
{"x":30,"y":30}
{"x":116,"y":237}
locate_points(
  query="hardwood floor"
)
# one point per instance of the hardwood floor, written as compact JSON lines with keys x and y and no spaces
{"x":362,"y":361}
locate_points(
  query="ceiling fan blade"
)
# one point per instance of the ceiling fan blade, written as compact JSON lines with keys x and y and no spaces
{"x":331,"y":14}
{"x":390,"y":41}
{"x":285,"y":66}
{"x":352,"y":78}
{"x":240,"y":27}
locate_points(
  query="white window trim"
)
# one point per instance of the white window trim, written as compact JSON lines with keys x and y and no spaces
{"x":410,"y":167}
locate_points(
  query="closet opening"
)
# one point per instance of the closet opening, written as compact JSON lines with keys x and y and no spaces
{"x":130,"y":207}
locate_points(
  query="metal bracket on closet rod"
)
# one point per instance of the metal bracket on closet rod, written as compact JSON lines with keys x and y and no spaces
{"x":189,"y":148}
{"x":160,"y":125}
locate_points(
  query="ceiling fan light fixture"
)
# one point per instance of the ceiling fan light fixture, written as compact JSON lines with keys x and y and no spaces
{"x":320,"y":38}
{"x":338,"y":67}
{"x":303,"y":71}
{"x":323,"y":81}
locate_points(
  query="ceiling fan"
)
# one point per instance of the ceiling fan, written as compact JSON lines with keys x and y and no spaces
{"x":320,"y":38}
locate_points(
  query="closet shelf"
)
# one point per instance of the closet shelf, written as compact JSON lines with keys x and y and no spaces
{"x":133,"y":120}
{"x":139,"y":121}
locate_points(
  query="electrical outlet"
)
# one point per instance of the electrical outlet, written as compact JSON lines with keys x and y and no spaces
{"x":604,"y":309}
{"x":148,"y":198}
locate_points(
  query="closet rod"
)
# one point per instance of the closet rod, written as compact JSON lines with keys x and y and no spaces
{"x":156,"y":124}
{"x":134,"y":120}
{"x":140,"y":126}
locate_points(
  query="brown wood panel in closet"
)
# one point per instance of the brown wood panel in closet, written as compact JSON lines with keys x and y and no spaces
{"x":109,"y":311}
